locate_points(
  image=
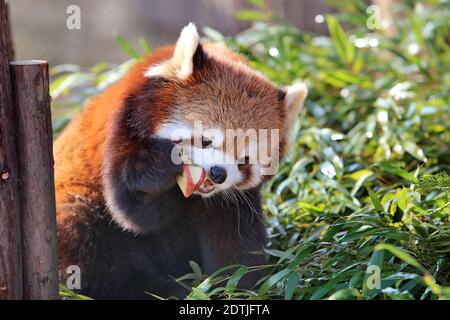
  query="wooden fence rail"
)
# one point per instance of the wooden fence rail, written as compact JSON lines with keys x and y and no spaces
{"x":28,"y":261}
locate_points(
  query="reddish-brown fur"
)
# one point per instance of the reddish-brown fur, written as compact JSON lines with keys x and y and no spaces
{"x":101,"y":142}
{"x":79,"y":150}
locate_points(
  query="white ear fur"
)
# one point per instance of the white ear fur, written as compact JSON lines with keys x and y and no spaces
{"x":295,"y":96}
{"x":181,"y":64}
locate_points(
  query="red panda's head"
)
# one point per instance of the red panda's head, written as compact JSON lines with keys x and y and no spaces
{"x":226,"y":117}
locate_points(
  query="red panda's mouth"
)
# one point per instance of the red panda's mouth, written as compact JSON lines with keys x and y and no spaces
{"x":206,"y":186}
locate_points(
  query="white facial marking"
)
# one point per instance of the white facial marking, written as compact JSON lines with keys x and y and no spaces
{"x":261,"y":148}
{"x":209,"y":157}
{"x":174,"y":131}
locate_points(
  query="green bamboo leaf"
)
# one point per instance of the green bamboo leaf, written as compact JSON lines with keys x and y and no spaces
{"x":360,"y":176}
{"x":234,"y":279}
{"x":402,"y":198}
{"x":343,"y":46}
{"x":344,"y":294}
{"x":200,"y":294}
{"x":69,"y":294}
{"x":251,"y":15}
{"x":375,"y":201}
{"x":401,"y":254}
{"x":389,"y":167}
{"x":145,"y":45}
{"x":257,"y":3}
{"x":196,"y":268}
{"x":280,"y":254}
{"x":273,"y":280}
{"x":127,"y":47}
{"x":302,"y":254}
{"x":213,"y":34}
{"x":291,"y":286}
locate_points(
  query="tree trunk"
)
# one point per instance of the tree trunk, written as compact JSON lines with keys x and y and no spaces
{"x":10,"y":231}
{"x":37,"y":191}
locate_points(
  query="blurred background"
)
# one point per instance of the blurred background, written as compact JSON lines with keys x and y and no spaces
{"x":40,"y":32}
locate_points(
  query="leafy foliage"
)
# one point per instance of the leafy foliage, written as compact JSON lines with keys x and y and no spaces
{"x":365,"y":188}
{"x":439,"y":181}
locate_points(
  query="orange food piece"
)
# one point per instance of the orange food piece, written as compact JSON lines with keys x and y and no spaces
{"x":191,"y":178}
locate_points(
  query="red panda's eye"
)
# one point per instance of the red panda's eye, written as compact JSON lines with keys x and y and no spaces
{"x":205,"y":142}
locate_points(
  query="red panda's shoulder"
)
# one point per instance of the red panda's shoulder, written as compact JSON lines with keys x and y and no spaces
{"x":78,"y":151}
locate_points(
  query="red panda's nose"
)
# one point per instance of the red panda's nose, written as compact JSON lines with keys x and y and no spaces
{"x":218,"y":174}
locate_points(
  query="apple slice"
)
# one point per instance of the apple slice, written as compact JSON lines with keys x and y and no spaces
{"x":191,"y":178}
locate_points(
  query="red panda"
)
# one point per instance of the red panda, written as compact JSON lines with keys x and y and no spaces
{"x":121,"y":218}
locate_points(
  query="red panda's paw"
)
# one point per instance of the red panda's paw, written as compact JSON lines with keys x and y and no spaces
{"x":150,"y":169}
{"x":139,"y":186}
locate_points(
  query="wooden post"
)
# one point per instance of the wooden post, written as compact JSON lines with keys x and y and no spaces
{"x":37,"y":191}
{"x":10,"y":231}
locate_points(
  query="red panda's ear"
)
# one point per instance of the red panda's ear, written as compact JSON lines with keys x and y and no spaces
{"x":293,"y":102}
{"x":187,"y":55}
